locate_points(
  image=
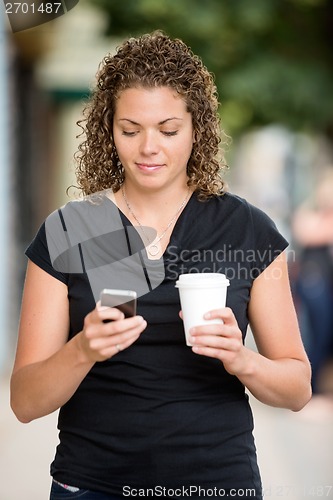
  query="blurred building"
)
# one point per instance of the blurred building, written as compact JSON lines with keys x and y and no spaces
{"x":24,"y":151}
{"x":45,"y":74}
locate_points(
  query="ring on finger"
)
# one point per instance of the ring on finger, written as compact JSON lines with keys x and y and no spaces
{"x":118,"y":347}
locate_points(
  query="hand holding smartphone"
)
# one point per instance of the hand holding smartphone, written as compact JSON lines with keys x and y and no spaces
{"x":124,"y":300}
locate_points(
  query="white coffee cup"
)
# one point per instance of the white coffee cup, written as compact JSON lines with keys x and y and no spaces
{"x":200,"y":293}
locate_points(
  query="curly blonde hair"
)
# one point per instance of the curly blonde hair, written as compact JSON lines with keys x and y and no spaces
{"x":150,"y":61}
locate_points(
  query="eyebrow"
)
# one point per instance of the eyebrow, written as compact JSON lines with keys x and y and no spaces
{"x":159,"y":123}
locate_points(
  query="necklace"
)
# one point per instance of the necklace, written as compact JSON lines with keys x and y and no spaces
{"x":153,"y":248}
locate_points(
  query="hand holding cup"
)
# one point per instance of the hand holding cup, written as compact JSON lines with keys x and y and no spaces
{"x":200,"y":293}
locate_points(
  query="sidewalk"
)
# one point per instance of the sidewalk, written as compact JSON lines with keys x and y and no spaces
{"x":295,"y":454}
{"x":26,"y":451}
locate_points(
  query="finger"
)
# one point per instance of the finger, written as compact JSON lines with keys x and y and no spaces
{"x":123,"y":339}
{"x":210,"y":352}
{"x":124,"y":325}
{"x":113,"y":350}
{"x":102,"y":345}
{"x":225,"y":313}
{"x":108,"y":313}
{"x":216,"y":341}
{"x":220,"y":329}
{"x":102,"y":330}
{"x":124,"y":335}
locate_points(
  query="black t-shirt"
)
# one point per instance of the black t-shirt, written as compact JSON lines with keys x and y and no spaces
{"x":156,"y":414}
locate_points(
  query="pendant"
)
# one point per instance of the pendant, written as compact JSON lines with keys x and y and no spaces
{"x":153,"y":250}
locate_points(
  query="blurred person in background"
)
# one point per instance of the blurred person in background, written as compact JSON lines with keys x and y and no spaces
{"x":138,"y":408}
{"x":313,"y":233}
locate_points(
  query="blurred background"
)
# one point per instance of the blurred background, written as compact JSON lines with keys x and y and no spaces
{"x":273,"y":64}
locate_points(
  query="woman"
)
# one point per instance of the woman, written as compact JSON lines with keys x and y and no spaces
{"x":140,"y":412}
{"x":313,"y":233}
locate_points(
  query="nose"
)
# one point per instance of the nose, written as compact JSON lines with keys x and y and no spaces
{"x":149,"y":143}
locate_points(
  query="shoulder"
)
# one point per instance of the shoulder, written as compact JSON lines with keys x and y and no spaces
{"x":54,"y":234}
{"x":240,"y":217}
{"x":229,"y":204}
{"x":233,"y":202}
{"x":84,"y":218}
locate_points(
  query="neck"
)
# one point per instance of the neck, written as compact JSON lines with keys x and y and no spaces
{"x":154,"y":204}
{"x":161,"y":216}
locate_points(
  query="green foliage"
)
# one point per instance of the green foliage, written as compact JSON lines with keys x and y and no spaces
{"x":272,"y":59}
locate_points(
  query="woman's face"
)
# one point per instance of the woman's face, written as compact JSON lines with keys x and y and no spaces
{"x":153,"y":135}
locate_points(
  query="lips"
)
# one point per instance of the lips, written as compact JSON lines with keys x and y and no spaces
{"x":146,"y":167}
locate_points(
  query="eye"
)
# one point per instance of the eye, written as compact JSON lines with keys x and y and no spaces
{"x":129,"y":134}
{"x":170,"y":134}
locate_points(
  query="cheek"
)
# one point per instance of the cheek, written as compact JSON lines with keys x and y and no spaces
{"x":187,"y":147}
{"x":182,"y":154}
{"x":123,"y":147}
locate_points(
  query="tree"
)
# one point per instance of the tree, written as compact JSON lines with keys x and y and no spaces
{"x":272,"y":59}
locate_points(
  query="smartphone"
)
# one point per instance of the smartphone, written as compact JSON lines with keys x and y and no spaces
{"x":124,"y":300}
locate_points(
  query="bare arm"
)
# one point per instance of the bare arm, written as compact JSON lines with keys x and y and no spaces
{"x":279,"y":374}
{"x":48,"y":369}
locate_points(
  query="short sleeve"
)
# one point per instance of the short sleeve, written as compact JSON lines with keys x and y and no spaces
{"x":268,"y":241}
{"x":38,"y":253}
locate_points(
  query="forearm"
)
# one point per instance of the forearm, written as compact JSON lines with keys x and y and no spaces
{"x":40,"y":388}
{"x":283,"y":383}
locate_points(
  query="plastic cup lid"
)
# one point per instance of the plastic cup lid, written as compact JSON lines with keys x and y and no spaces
{"x":202,"y":279}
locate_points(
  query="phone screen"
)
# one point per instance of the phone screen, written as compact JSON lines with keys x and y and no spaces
{"x":124,"y":300}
